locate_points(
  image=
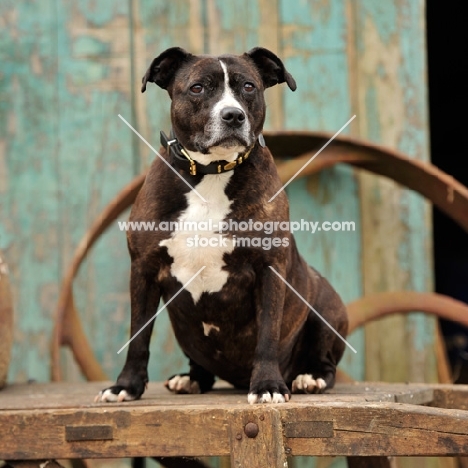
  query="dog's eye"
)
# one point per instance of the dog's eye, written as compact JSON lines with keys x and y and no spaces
{"x":249,"y":87}
{"x":196,"y":88}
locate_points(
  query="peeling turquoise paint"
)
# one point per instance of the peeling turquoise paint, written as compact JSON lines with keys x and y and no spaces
{"x":400,"y":26}
{"x":384,"y":15}
{"x":372,"y":110}
{"x":90,"y":47}
{"x":318,"y":25}
{"x":321,"y":101}
{"x":241,"y":14}
{"x":28,"y":211}
{"x":99,"y":13}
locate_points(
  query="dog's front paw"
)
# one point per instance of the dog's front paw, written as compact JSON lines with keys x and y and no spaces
{"x":115,"y":393}
{"x":305,"y":383}
{"x":268,"y":391}
{"x":123,"y":390}
{"x":182,"y":384}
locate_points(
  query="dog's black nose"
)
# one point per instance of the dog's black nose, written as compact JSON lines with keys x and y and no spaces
{"x":233,"y":116}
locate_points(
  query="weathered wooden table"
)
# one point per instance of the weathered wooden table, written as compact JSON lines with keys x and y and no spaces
{"x":368,"y":420}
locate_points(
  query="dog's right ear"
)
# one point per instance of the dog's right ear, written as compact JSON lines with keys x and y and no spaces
{"x":271,"y":68}
{"x":163,"y":68}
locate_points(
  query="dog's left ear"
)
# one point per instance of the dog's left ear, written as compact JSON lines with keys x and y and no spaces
{"x":271,"y":68}
{"x":163,"y":68}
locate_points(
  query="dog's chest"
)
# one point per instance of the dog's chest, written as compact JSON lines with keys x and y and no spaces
{"x":194,"y":246}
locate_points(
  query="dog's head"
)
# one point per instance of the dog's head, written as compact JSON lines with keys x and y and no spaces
{"x":217,"y":102}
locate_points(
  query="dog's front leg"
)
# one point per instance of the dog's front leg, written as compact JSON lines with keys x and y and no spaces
{"x":266,"y":383}
{"x":131,"y":383}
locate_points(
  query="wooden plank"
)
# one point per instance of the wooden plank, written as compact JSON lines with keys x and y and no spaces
{"x":388,"y":65}
{"x":421,"y":397}
{"x":390,"y":102}
{"x":382,"y":430}
{"x":76,"y":433}
{"x":29,"y":189}
{"x":313,"y":46}
{"x":69,"y":395}
{"x":137,"y":432}
{"x":256,"y":439}
{"x":95,"y":161}
{"x":309,"y":429}
{"x":452,"y":397}
{"x":203,"y":429}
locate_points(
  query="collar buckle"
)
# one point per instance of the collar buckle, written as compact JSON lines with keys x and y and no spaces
{"x":193,"y":164}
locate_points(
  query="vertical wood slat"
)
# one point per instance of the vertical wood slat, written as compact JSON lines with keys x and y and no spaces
{"x":313,"y":48}
{"x":266,"y":449}
{"x":29,"y":180}
{"x":95,"y":160}
{"x":391,"y":104}
{"x":387,"y":63}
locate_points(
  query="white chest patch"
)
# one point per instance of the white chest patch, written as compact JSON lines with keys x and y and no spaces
{"x":191,"y":253}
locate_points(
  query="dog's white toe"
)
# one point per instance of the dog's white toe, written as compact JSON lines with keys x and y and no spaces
{"x":321,"y":384}
{"x":266,"y":397}
{"x":252,"y":398}
{"x":183,"y":384}
{"x":178,"y":383}
{"x":108,"y":396}
{"x":277,"y":398}
{"x":305,"y":383}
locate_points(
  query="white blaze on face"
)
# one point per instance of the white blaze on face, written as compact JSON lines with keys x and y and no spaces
{"x":227,"y":99}
{"x":216,"y":129}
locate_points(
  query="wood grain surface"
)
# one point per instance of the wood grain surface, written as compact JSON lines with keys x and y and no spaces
{"x":61,"y":421}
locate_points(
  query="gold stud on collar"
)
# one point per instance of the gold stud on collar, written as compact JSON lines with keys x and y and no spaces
{"x":231,"y":165}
